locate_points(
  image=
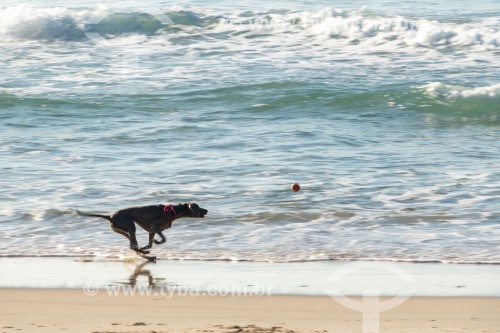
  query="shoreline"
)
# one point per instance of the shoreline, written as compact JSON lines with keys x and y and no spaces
{"x":250,"y":278}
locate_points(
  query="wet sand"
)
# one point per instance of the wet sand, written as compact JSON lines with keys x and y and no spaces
{"x":261,"y":278}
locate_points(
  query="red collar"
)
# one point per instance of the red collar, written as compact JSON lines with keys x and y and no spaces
{"x":169,"y":209}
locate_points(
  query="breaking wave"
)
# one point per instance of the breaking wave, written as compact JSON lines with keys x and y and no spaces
{"x":438,"y":89}
{"x":355,"y":26}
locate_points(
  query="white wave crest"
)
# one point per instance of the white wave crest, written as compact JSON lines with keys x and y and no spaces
{"x":30,"y":22}
{"x":438,"y":89}
{"x":364,"y":26}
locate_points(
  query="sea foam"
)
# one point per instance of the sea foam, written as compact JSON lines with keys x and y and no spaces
{"x":438,"y":89}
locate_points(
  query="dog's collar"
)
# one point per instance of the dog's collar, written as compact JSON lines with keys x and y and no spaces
{"x":169,"y":209}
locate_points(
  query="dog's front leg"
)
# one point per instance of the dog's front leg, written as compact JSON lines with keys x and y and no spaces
{"x":157,"y":226}
{"x":150,"y":243}
{"x":163,"y":239}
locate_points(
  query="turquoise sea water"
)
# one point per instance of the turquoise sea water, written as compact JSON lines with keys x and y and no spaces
{"x":386,"y":113}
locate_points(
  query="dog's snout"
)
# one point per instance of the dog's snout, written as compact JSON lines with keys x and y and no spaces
{"x":196,"y":211}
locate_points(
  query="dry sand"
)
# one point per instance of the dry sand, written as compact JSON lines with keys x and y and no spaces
{"x":70,"y":310}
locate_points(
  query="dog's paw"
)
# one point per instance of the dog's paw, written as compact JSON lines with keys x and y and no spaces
{"x":140,"y":250}
{"x":150,"y":259}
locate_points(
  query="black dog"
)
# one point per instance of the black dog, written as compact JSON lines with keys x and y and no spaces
{"x":154,"y":219}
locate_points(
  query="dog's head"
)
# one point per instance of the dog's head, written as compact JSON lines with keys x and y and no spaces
{"x":193,"y":210}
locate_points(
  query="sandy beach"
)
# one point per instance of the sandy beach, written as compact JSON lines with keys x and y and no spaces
{"x":91,"y":295}
{"x":59,"y":310}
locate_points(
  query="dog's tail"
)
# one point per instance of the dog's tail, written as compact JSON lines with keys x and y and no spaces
{"x":107,"y":217}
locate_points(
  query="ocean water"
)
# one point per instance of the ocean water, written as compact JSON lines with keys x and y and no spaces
{"x":386,"y":112}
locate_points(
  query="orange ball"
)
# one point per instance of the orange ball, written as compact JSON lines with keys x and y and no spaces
{"x":295,"y":187}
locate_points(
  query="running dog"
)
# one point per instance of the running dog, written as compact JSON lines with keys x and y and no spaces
{"x":154,"y":219}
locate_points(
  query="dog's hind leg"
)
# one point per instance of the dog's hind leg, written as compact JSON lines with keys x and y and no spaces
{"x":120,"y":231}
{"x":125,"y":226}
